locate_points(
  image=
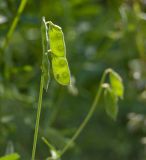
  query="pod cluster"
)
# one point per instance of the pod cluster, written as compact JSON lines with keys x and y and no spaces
{"x":54,"y":38}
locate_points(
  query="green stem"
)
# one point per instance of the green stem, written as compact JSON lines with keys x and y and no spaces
{"x":14,"y":24}
{"x":38,"y":117}
{"x":89,"y":115}
{"x":48,"y":144}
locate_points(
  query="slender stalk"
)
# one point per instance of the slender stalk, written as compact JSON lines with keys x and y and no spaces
{"x":14,"y":24}
{"x":38,"y":117}
{"x":48,"y":144}
{"x":89,"y":115}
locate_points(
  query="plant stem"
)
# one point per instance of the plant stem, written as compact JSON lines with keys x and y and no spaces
{"x":38,"y":117}
{"x":89,"y":115}
{"x":14,"y":24}
{"x":48,"y":144}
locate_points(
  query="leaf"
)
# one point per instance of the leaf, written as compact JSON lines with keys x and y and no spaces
{"x":13,"y":156}
{"x":111,"y":99}
{"x":45,"y":60}
{"x":61,"y":70}
{"x":116,"y":84}
{"x":57,"y":44}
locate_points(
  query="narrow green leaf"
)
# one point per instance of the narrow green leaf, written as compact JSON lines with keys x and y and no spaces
{"x":110,"y":100}
{"x":116,"y":84}
{"x":57,"y":44}
{"x":45,"y":60}
{"x":13,"y":156}
{"x":61,"y":70}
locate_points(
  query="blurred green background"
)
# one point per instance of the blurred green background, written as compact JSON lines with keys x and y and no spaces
{"x":98,"y":34}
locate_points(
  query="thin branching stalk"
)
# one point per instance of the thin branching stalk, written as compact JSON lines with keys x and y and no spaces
{"x":13,"y":25}
{"x":38,"y":117}
{"x":89,"y":115}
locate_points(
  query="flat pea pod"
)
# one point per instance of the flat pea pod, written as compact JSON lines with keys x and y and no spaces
{"x":44,"y":35}
{"x":57,"y":44}
{"x":45,"y":71}
{"x":61,"y":70}
{"x":45,"y":60}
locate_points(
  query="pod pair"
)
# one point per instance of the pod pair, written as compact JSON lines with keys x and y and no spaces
{"x":55,"y":37}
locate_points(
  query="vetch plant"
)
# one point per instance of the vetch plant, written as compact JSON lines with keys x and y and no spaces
{"x":113,"y":90}
{"x":54,"y":53}
{"x":57,"y":55}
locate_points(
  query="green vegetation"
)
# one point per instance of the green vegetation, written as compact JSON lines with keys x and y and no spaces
{"x":13,"y":156}
{"x":75,"y":60}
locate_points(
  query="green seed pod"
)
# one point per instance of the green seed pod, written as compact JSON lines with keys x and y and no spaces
{"x":57,"y":44}
{"x":45,"y":60}
{"x":44,"y":34}
{"x":61,"y":70}
{"x":58,"y":53}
